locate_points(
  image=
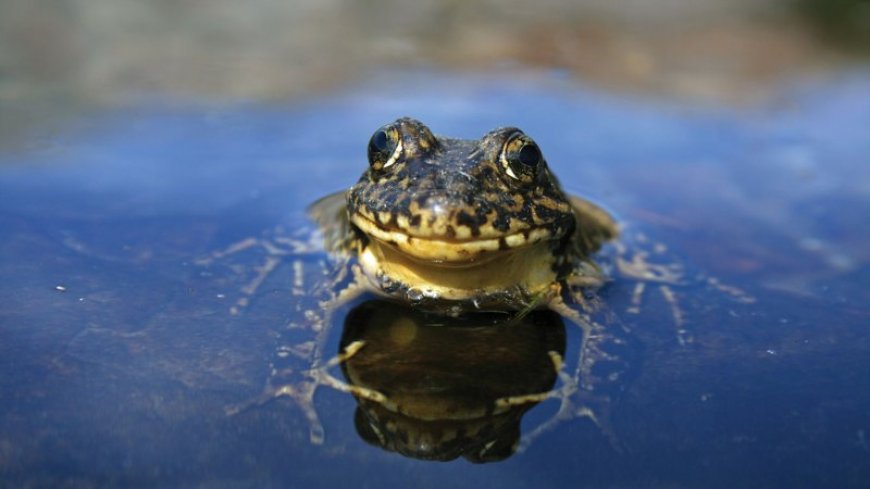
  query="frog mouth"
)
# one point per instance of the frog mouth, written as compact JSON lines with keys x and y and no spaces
{"x":444,"y":249}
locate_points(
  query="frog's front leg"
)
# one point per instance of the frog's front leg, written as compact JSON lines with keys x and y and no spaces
{"x":649,"y":270}
{"x":574,"y":297}
{"x":574,"y":402}
{"x":593,"y":335}
{"x":302,"y":391}
{"x":320,"y":321}
{"x":662,"y":276}
{"x":329,"y":380}
{"x":581,"y":393}
{"x":301,"y":385}
{"x":276,"y":249}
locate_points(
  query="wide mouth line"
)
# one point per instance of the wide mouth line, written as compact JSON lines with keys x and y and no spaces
{"x":528,"y":236}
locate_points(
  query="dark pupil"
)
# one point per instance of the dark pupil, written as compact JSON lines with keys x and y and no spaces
{"x":530,"y":155}
{"x":380,"y":143}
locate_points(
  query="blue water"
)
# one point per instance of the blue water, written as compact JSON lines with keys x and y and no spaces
{"x":119,"y":355}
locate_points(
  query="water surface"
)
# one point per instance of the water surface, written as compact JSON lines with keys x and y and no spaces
{"x":120,"y":356}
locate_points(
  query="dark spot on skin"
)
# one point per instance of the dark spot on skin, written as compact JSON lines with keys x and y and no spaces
{"x":546,"y":213}
{"x":359,"y":235}
{"x":502,"y":221}
{"x":472,"y":222}
{"x":525,"y":213}
{"x":502,"y":243}
{"x":414,"y":220}
{"x":485,"y":173}
{"x":451,"y":233}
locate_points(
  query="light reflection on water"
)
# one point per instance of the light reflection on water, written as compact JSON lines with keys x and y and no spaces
{"x":123,"y":375}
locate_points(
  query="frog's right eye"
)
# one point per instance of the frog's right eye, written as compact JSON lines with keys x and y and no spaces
{"x":385,"y":147}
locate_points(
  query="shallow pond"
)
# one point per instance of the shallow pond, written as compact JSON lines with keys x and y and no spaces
{"x":120,"y":358}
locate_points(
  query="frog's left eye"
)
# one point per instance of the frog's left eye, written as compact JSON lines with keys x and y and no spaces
{"x":385,"y":147}
{"x":521,"y":158}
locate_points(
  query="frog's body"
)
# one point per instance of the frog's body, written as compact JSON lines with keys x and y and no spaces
{"x":460,"y":225}
{"x":457,"y":226}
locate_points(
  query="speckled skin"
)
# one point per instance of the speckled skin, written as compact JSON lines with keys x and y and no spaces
{"x":462,"y":224}
{"x":443,"y":187}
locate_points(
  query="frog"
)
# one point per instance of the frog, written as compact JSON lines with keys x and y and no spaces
{"x":464,"y":225}
{"x":457,"y":226}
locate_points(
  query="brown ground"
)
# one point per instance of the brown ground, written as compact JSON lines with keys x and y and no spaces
{"x":56,"y":57}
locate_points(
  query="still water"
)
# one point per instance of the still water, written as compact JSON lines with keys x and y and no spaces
{"x":121,"y":359}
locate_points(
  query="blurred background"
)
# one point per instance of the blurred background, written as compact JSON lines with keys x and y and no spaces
{"x":138,"y":137}
{"x":62,"y":56}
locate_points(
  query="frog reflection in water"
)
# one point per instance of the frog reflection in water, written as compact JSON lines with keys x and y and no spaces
{"x":449,"y":387}
{"x":455,"y":226}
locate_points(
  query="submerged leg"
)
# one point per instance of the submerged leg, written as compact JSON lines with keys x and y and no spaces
{"x":574,"y":402}
{"x":503,"y":403}
{"x":594,"y":334}
{"x":302,"y":390}
{"x":277,"y":249}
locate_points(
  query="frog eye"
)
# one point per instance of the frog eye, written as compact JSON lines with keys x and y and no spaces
{"x":385,"y":147}
{"x":521,"y":158}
